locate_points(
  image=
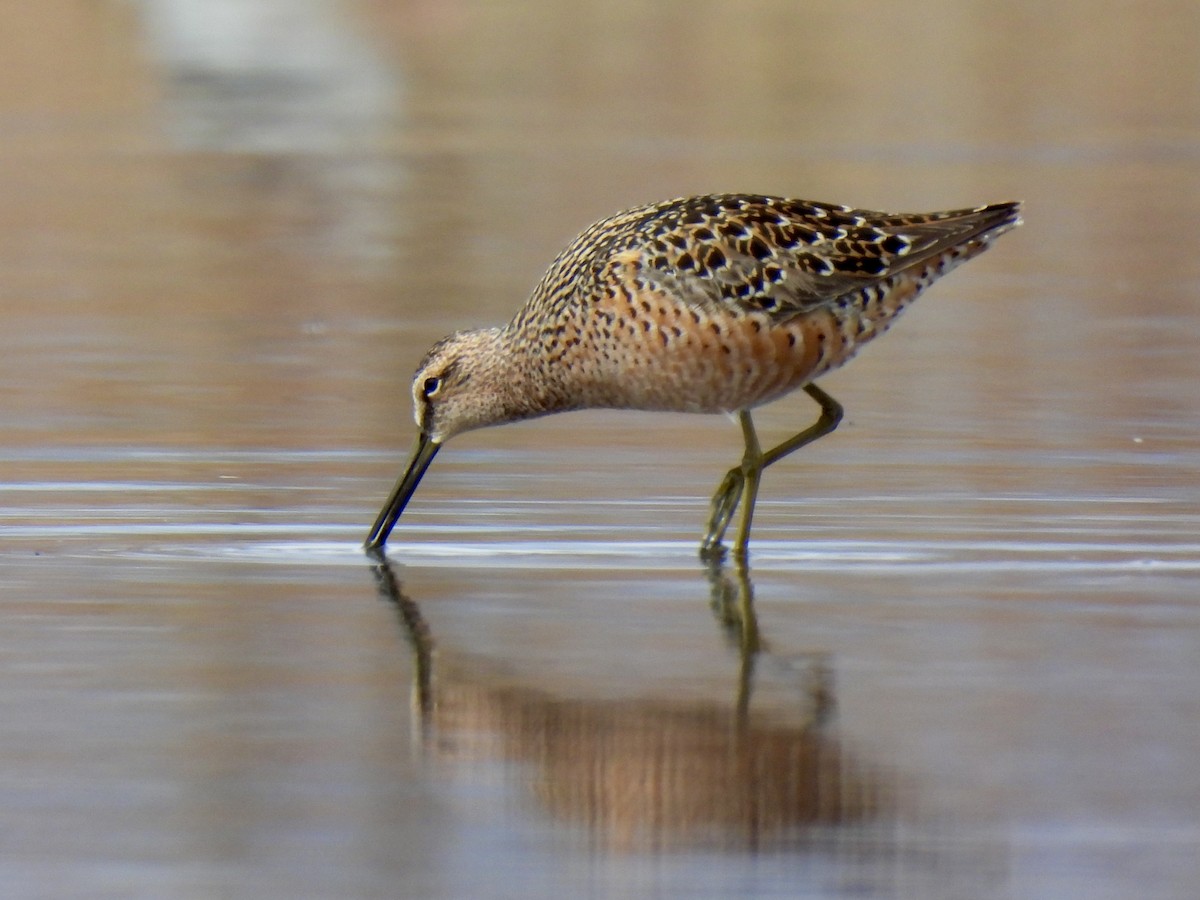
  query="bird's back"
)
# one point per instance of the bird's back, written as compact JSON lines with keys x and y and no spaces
{"x":723,"y":302}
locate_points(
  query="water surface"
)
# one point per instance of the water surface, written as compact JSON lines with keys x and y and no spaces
{"x":229,"y":233}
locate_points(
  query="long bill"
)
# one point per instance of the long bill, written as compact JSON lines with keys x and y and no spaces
{"x":424,"y":450}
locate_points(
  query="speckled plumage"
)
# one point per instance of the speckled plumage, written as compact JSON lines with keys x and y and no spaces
{"x":716,"y":303}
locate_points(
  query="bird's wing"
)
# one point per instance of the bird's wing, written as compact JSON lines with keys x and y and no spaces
{"x":768,"y":254}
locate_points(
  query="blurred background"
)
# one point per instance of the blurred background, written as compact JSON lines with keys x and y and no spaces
{"x":230,"y":228}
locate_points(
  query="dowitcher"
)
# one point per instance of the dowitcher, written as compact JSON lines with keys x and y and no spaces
{"x":713,"y":304}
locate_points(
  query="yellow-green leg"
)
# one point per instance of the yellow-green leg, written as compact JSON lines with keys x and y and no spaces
{"x":740,"y":484}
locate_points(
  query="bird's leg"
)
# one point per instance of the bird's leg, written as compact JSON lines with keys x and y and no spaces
{"x":752,"y":466}
{"x":724,"y":504}
{"x":740,"y":484}
{"x":831,"y":415}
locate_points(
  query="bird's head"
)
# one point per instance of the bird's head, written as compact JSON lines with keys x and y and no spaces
{"x":464,"y":382}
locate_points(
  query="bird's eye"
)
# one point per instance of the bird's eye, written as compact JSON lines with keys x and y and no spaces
{"x":431,"y":386}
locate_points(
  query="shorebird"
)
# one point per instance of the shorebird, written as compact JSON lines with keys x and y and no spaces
{"x":712,"y":304}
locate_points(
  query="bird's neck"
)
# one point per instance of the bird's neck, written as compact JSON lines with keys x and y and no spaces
{"x":529,"y":384}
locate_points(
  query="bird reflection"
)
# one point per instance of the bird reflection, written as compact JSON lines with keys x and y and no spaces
{"x":732,"y":600}
{"x":648,"y":774}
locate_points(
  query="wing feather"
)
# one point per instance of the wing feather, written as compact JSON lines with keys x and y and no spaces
{"x":768,"y":254}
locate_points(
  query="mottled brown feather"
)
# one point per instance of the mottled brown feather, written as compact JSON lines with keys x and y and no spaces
{"x":752,"y":253}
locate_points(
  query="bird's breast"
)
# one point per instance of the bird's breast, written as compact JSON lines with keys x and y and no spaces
{"x":654,"y":353}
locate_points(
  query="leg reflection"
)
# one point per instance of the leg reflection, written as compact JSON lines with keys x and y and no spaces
{"x":732,"y":598}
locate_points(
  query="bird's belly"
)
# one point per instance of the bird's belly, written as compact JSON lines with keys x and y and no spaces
{"x":716,"y":364}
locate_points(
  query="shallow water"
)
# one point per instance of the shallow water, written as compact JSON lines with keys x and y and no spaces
{"x":229,"y":231}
